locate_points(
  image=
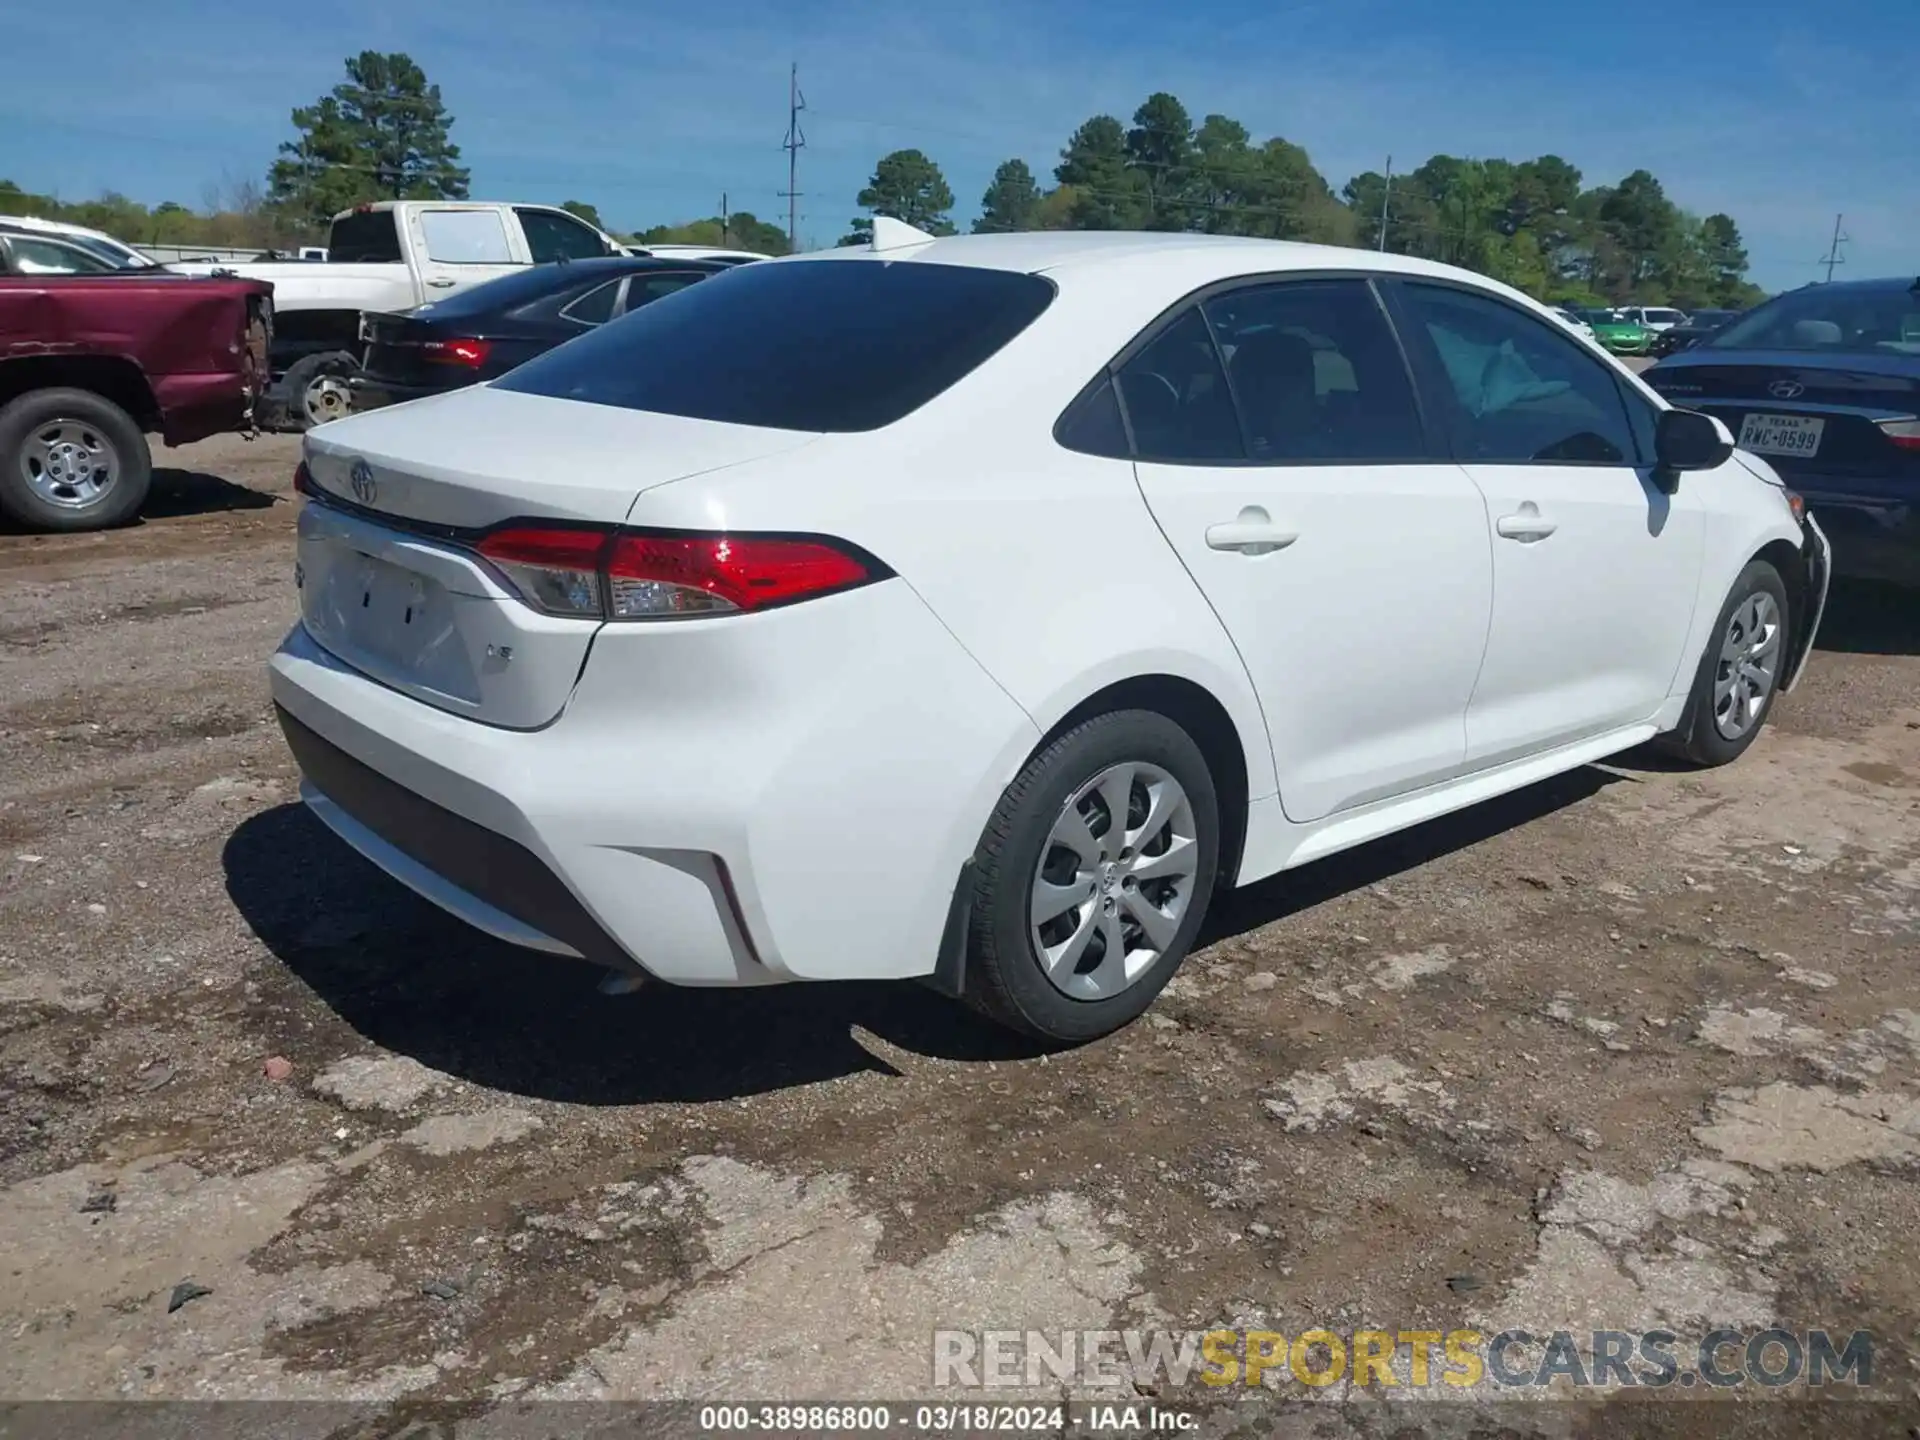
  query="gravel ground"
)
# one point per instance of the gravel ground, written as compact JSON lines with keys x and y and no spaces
{"x":1631,"y":1049}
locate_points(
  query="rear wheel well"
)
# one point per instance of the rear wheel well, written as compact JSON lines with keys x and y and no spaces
{"x":1195,"y":710}
{"x":111,"y":377}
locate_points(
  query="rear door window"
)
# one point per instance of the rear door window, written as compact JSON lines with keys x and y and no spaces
{"x":645,"y":289}
{"x":1176,"y":397}
{"x":365,"y":237}
{"x":596,"y":306}
{"x":552,"y":235}
{"x":1317,"y":373}
{"x":815,"y":345}
{"x":465,"y":237}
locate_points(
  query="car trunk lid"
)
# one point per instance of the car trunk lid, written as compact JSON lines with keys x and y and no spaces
{"x":390,"y":578}
{"x":1836,"y":408}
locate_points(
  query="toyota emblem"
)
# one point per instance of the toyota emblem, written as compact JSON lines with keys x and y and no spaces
{"x":365,"y":489}
{"x":1786,"y":389}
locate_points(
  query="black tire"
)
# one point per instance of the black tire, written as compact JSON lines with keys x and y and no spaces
{"x":294,"y":412}
{"x":1004,"y":976}
{"x":100,"y":426}
{"x":1701,"y":740}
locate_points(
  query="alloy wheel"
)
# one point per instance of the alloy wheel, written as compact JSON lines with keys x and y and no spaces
{"x":1749,"y":663}
{"x":1115,"y":880}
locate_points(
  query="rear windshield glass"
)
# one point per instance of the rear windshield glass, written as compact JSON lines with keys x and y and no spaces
{"x":827,"y":345}
{"x":367,"y":238}
{"x":1830,"y":317}
{"x":534,"y":282}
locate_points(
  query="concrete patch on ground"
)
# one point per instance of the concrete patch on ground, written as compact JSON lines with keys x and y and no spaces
{"x":56,"y":992}
{"x":1794,"y":1127}
{"x":450,"y":1134}
{"x":1402,"y":972}
{"x":1317,"y":1100}
{"x":1758,"y":1031}
{"x":377,"y":1082}
{"x":1618,"y":1212}
{"x":1601,"y":1264}
{"x":94,"y":1257}
{"x":1575,"y":1283}
{"x":1904,"y":1026}
{"x":796,"y":1305}
{"x":1795,"y":811}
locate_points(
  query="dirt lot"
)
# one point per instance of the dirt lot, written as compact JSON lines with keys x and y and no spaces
{"x":1631,"y":1049}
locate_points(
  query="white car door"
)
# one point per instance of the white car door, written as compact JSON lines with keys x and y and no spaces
{"x":1348,"y":561}
{"x":458,"y":246}
{"x":1596,"y":568}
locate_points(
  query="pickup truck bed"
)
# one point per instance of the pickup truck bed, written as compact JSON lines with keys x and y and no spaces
{"x":90,"y":363}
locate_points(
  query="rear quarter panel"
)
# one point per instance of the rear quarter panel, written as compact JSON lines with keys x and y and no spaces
{"x":1044,"y":564}
{"x":187,"y":337}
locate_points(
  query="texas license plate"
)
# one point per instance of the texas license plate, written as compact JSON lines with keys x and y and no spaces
{"x":1796,"y":435}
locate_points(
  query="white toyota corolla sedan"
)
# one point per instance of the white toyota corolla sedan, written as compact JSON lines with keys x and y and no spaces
{"x":976,"y":609}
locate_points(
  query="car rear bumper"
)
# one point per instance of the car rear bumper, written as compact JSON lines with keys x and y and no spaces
{"x":1873,"y":538}
{"x":797,"y":807}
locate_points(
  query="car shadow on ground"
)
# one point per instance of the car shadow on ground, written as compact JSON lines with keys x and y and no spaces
{"x":1293,"y":891}
{"x":1868,"y":619}
{"x":177,"y":493}
{"x":412,"y":980}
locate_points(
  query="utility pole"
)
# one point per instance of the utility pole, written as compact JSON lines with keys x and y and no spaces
{"x":1833,"y":256}
{"x":1386,"y":193}
{"x":796,"y":102}
{"x":724,"y":240}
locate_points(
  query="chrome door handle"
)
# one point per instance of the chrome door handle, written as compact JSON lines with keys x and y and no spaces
{"x":1529,"y":524}
{"x":1253,"y":533}
{"x":441,"y":284}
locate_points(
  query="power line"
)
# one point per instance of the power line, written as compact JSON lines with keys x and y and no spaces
{"x":793,"y":143}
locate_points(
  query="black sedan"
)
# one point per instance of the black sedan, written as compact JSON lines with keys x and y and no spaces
{"x":1700,"y":325}
{"x":482,"y":333}
{"x":1824,"y":382}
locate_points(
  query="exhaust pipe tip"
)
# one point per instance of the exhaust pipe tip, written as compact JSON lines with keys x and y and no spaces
{"x":621,"y":982}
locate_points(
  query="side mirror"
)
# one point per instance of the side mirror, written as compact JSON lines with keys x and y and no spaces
{"x":1688,"y":440}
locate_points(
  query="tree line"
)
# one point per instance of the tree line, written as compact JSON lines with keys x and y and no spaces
{"x":1532,"y":223}
{"x":384,"y":133}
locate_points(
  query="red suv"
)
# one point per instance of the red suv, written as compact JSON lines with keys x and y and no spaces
{"x":90,"y":363}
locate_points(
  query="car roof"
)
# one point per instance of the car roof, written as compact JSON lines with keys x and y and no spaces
{"x":1201,"y":259}
{"x":1880,"y":284}
{"x":34,"y":225}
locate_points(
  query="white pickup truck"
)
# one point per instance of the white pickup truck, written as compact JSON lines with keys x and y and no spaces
{"x":392,"y":256}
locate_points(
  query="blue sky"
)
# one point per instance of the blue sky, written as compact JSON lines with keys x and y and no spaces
{"x":1778,"y":112}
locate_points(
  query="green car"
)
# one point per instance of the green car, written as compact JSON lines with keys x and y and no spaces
{"x":1621,"y":337}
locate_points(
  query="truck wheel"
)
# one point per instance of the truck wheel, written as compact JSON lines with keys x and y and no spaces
{"x":71,"y":460}
{"x":315,"y":389}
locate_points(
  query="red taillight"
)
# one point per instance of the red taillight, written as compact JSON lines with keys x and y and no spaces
{"x":656,"y":575}
{"x":303,"y":480}
{"x":471,"y":353}
{"x":1904,"y":433}
{"x":641,"y":576}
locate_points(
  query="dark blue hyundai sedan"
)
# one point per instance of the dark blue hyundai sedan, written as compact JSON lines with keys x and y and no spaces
{"x":1824,"y":382}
